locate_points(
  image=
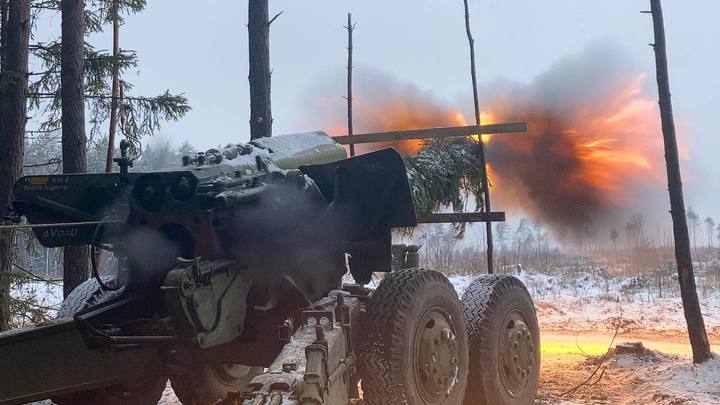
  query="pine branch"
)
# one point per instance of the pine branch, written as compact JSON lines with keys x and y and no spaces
{"x":51,"y":162}
{"x":107,"y":9}
{"x":45,"y":4}
{"x":36,"y":277}
{"x":445,"y":173}
{"x":143,"y":115}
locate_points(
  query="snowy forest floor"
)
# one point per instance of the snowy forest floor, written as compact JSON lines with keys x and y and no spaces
{"x":577,"y":328}
{"x":664,"y":374}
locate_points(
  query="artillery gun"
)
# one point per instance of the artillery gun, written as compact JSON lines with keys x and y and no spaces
{"x":229,"y":283}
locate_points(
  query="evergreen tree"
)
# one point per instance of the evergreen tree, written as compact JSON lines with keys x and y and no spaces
{"x":14,"y":37}
{"x":502,"y":230}
{"x":614,"y":237}
{"x":158,"y":157}
{"x":186,"y":149}
{"x":76,"y":78}
{"x":634,"y":229}
{"x":141,"y":115}
{"x":710,"y":223}
{"x":42,"y":157}
{"x":72,"y":84}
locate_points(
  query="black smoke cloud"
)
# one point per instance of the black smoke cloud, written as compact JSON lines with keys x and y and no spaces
{"x":542,"y":173}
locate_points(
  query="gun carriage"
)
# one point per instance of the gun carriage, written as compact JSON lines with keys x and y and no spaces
{"x":232,"y":282}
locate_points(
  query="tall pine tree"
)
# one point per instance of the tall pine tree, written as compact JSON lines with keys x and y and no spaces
{"x":74,"y":141}
{"x":15,"y":36}
{"x":141,"y":115}
{"x":259,"y":57}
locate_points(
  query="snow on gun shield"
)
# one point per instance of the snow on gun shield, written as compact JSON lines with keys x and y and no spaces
{"x":229,"y":283}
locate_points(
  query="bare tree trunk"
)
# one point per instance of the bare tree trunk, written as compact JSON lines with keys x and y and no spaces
{"x":114,"y":102}
{"x":350,"y":28}
{"x":13,"y":115}
{"x":481,"y":144}
{"x":75,"y":258}
{"x":259,"y":46}
{"x":6,"y":238}
{"x":688,"y":290}
{"x":115,"y":91}
{"x":3,"y":30}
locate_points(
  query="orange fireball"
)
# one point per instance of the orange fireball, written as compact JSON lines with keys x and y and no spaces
{"x":588,"y":155}
{"x":578,"y":163}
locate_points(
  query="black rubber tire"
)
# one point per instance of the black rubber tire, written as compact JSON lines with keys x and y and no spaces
{"x":206,"y":385}
{"x":145,"y":391}
{"x":389,"y":334}
{"x":488,"y":302}
{"x":86,"y":295}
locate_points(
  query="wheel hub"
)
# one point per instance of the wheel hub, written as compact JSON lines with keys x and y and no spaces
{"x":517,"y":356}
{"x":229,"y":373}
{"x":436,"y":356}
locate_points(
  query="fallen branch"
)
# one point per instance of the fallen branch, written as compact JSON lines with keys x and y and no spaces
{"x":600,"y":365}
{"x":580,"y":348}
{"x":601,"y":376}
{"x":48,"y":163}
{"x":35,"y":277}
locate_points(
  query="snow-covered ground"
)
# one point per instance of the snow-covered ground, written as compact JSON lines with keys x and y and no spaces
{"x":580,"y":308}
{"x":600,"y":305}
{"x":580,"y":305}
{"x":649,"y":378}
{"x":674,"y":377}
{"x":40,"y":301}
{"x":587,"y":304}
{"x":45,"y":294}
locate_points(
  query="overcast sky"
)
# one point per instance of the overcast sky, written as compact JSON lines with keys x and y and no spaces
{"x":200,"y":48}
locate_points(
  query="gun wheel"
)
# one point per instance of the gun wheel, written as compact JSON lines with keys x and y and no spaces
{"x":145,"y":391}
{"x":206,"y":383}
{"x":87,"y":294}
{"x":415,"y":348}
{"x":504,"y":341}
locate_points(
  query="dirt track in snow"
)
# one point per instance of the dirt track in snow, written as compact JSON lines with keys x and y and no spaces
{"x":664,"y":375}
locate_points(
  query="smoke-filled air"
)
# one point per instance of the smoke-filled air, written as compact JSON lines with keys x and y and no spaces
{"x":261,"y":262}
{"x":593,"y":153}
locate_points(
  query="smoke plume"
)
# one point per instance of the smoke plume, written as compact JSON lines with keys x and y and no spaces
{"x":593,"y":153}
